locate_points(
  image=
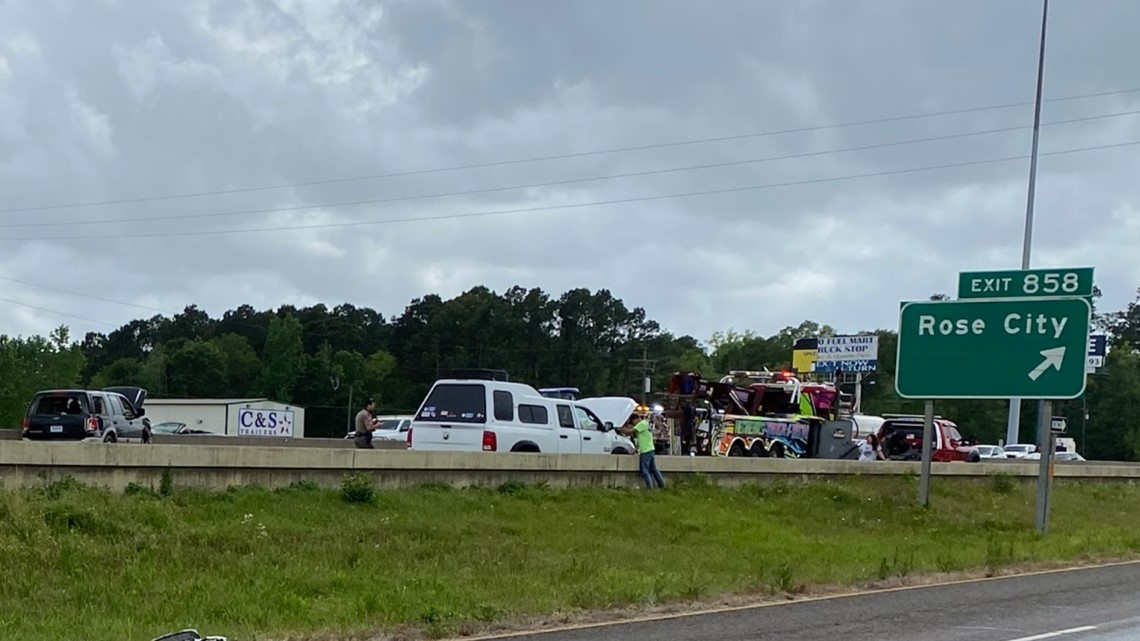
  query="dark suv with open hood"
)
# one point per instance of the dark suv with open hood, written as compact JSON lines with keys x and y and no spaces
{"x":110,"y":415}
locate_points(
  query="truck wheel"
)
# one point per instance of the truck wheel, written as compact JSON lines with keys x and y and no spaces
{"x":737,"y":449}
{"x":758,"y":450}
{"x":620,"y":450}
{"x":777,"y":450}
{"x":974,"y":457}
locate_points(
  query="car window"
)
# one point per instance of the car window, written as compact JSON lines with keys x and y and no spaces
{"x":126,"y":405}
{"x":585,"y":421}
{"x":455,"y":403}
{"x":60,"y":404}
{"x":97,"y":405}
{"x":533,"y":414}
{"x":566,"y":417}
{"x":504,"y":406}
{"x":116,"y":405}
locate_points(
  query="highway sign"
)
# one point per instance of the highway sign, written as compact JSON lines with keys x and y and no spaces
{"x":847,"y":354}
{"x":997,"y":348}
{"x":1098,"y":347}
{"x":1030,"y":283}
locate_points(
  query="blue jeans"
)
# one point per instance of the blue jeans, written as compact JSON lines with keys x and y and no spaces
{"x":649,"y":472}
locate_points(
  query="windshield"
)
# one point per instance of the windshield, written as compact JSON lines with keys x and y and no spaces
{"x":168,"y":428}
{"x":391,"y":424}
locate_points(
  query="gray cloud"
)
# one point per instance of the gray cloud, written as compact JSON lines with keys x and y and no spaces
{"x":112,"y":100}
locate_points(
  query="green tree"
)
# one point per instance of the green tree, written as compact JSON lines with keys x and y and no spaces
{"x":242,"y":364}
{"x":197,"y":369}
{"x":283,"y":358}
{"x":29,"y":365}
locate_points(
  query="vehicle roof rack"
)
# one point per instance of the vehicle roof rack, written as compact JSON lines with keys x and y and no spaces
{"x":481,"y":374}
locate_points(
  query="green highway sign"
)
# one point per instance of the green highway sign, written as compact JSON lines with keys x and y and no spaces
{"x":999,"y":348}
{"x":1029,"y":283}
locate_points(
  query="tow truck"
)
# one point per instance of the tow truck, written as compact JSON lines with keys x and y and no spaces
{"x":764,"y":414}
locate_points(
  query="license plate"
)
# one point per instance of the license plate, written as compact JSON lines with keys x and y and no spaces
{"x":56,"y":429}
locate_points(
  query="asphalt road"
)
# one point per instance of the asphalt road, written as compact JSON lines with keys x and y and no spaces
{"x":1082,"y":605}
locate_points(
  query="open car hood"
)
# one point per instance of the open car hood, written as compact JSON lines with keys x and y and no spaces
{"x":135,"y":395}
{"x":610,"y":409}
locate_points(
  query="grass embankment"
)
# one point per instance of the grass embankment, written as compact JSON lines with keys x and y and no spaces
{"x":77,"y":562}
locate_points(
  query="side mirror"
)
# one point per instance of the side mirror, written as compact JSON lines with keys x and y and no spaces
{"x":608,"y":427}
{"x":140,"y":413}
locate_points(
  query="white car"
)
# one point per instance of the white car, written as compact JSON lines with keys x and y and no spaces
{"x":1060,"y":457}
{"x":991,"y":451}
{"x":1019,"y":450}
{"x":390,"y":428}
{"x":473,"y":415}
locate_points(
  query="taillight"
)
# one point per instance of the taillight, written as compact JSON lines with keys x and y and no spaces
{"x":490,"y":442}
{"x":92,"y":424}
{"x":27,"y":422}
{"x":409,"y":438}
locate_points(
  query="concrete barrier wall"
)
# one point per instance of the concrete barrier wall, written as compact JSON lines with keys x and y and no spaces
{"x":24,"y":464}
{"x":201,"y":439}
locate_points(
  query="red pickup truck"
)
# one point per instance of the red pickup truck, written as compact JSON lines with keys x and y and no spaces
{"x":901,"y":440}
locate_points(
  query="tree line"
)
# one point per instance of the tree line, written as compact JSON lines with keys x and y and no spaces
{"x":320,"y":357}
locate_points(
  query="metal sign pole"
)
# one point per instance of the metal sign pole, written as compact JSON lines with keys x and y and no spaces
{"x":1045,"y":446}
{"x":927,"y":454}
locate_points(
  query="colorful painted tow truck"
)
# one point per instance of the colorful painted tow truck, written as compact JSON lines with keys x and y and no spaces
{"x":750,"y":413}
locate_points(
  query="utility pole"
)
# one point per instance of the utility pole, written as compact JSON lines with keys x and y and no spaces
{"x":1012,"y":432}
{"x":644,"y":367}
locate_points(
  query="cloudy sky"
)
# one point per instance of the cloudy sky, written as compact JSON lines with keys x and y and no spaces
{"x":209,"y":146}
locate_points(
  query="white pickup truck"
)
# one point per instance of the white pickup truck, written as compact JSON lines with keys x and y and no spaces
{"x":476,"y":415}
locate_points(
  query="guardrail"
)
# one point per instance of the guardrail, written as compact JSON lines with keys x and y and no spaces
{"x":24,"y":464}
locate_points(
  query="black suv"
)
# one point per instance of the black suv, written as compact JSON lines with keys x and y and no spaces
{"x":111,"y":415}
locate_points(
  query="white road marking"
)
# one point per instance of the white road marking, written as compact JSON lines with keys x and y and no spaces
{"x":1058,"y":633}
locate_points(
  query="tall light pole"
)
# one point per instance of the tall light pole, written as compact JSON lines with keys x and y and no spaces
{"x":1012,"y":433}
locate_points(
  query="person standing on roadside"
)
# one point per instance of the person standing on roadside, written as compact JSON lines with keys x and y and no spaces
{"x":637,"y":428}
{"x":365,"y":425}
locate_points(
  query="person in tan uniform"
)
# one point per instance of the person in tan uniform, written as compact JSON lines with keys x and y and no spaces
{"x":365,"y":425}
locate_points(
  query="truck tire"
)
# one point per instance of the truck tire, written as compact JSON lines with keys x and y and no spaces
{"x":758,"y":450}
{"x":526,"y":446}
{"x":737,"y":449}
{"x":777,"y":450}
{"x":620,"y":450}
{"x":974,"y":457}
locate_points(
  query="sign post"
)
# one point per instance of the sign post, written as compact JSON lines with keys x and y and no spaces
{"x":927,"y":454}
{"x":1045,"y":468}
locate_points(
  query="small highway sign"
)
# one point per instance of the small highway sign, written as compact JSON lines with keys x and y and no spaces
{"x":997,"y":348}
{"x":1030,"y":283}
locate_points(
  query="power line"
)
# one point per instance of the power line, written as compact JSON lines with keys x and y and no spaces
{"x":615,"y":201}
{"x":57,"y":313}
{"x":89,"y":296}
{"x":581,"y":154}
{"x":472,"y":192}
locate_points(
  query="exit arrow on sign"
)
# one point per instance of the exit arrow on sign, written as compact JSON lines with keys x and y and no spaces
{"x":1053,"y":358}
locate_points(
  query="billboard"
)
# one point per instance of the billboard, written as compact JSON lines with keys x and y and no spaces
{"x":847,"y":354}
{"x":262,"y":422}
